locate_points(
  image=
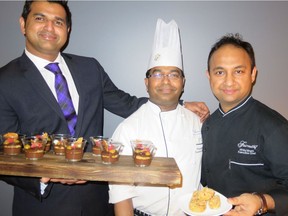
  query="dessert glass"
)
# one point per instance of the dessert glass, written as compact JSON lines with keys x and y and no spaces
{"x":110,"y":151}
{"x":12,"y":143}
{"x":96,"y":144}
{"x":74,"y":149}
{"x":48,"y":144}
{"x":47,"y":136}
{"x":143,"y":152}
{"x":1,"y":143}
{"x":34,"y":147}
{"x":58,"y":142}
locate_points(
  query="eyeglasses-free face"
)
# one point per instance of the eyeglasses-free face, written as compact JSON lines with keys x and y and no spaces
{"x":45,"y":29}
{"x":231,"y":76}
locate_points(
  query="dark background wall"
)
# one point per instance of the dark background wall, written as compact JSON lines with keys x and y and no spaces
{"x":120,"y":35}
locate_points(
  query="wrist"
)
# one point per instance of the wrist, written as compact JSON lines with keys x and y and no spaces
{"x":263,"y":208}
{"x":44,"y":180}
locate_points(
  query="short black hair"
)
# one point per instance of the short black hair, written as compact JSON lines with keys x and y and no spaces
{"x":64,"y":4}
{"x":237,"y":41}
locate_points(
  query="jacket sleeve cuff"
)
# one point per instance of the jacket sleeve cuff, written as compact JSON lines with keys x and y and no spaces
{"x":281,"y":199}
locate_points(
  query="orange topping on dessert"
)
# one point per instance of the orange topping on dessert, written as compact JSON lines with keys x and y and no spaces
{"x":11,"y":135}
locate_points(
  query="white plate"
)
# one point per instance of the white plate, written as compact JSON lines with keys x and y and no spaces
{"x":184,"y":205}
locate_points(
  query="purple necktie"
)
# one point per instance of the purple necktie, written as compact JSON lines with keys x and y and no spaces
{"x":63,"y":95}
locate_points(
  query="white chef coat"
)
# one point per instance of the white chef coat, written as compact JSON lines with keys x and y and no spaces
{"x":176,"y":134}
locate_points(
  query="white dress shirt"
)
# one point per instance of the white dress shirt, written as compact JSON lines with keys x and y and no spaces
{"x":49,"y":77}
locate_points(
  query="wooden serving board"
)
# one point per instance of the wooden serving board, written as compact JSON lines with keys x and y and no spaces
{"x":162,"y":171}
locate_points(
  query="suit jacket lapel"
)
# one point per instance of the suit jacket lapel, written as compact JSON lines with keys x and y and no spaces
{"x":32,"y":74}
{"x":75,"y":71}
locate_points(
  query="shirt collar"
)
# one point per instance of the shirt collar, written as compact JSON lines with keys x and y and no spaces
{"x":40,"y":62}
{"x":235,"y":108}
{"x":157,"y":109}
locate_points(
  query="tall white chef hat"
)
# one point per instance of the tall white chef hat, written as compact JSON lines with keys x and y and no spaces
{"x":166,"y":49}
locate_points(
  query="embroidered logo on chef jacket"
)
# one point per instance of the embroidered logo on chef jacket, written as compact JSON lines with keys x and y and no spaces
{"x":246,"y":149}
{"x":247,"y":157}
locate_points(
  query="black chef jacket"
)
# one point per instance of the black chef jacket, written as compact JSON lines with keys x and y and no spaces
{"x":246,"y":150}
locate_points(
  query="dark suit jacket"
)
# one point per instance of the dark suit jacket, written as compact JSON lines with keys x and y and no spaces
{"x":27,"y":105}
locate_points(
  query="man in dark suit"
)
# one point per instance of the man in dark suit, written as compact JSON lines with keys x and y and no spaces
{"x":28,"y":103}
